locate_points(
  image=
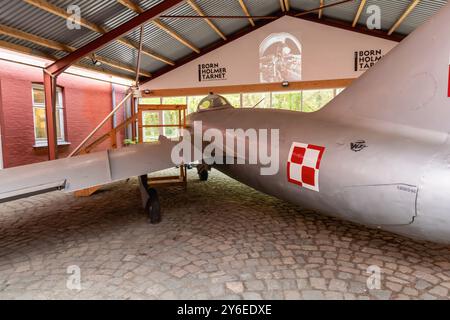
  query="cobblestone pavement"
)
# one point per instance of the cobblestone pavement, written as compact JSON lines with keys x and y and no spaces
{"x":218,"y":240}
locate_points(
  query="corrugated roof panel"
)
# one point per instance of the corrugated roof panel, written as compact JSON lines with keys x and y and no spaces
{"x":27,"y":44}
{"x":346,"y":11}
{"x":98,"y":11}
{"x":28,"y":18}
{"x":150,"y":64}
{"x":105,"y":68}
{"x":263,"y":8}
{"x":421,"y":13}
{"x":110,"y":14}
{"x":196,"y":31}
{"x":159,"y":41}
{"x":390,"y":11}
{"x":147,"y":4}
{"x":128,"y":56}
{"x":224,"y":8}
{"x":118,"y":51}
{"x":84,"y":40}
{"x":304,"y":4}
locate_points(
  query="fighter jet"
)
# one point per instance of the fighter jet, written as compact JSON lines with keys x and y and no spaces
{"x":378,"y":154}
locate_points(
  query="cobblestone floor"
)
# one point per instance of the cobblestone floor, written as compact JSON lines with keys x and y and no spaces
{"x":219,"y":240}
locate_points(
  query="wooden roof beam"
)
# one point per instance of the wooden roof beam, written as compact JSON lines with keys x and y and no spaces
{"x":358,"y":13}
{"x":18,"y":34}
{"x":200,"y":12}
{"x":50,"y":8}
{"x":247,"y":13}
{"x":131,"y":5}
{"x":321,"y":10}
{"x":405,"y":14}
{"x":336,"y":23}
{"x":34,"y":53}
{"x":287,"y":5}
{"x":175,"y":35}
{"x":134,"y":7}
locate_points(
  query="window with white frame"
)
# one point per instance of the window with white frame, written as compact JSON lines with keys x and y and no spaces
{"x":40,"y":131}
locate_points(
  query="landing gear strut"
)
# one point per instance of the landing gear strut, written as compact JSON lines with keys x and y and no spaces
{"x":150,"y":200}
{"x":203,"y":172}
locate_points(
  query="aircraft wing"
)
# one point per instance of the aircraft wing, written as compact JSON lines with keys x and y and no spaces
{"x":81,"y":172}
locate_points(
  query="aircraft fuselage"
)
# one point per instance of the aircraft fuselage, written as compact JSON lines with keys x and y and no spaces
{"x":380,"y":175}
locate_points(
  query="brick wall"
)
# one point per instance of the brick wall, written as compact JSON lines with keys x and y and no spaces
{"x":86,"y":103}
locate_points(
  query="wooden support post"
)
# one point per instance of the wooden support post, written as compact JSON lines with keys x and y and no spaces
{"x":50,"y":115}
{"x":113,"y":137}
{"x":140,"y":126}
{"x":133,"y":124}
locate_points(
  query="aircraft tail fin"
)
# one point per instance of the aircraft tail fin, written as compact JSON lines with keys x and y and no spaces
{"x":409,"y":86}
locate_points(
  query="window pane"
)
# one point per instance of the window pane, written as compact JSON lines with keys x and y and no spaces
{"x":150,"y":134}
{"x":59,"y":123}
{"x":174,"y":100}
{"x":287,"y":100}
{"x":314,"y":100}
{"x":39,"y":123}
{"x":170,"y":117}
{"x":38,"y":95}
{"x":260,"y":100}
{"x":59,"y":98}
{"x":150,"y":101}
{"x":150,"y":118}
{"x":193,"y":103}
{"x":233,"y":99}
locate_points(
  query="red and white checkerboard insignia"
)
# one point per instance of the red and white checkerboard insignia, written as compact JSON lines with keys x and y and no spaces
{"x":304,"y":164}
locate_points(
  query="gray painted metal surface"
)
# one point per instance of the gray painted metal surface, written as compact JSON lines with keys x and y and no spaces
{"x":399,"y":111}
{"x":382,"y":147}
{"x":77,"y":173}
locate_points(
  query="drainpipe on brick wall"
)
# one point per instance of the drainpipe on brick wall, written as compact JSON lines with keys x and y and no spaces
{"x":113,"y":92}
{"x":1,"y":150}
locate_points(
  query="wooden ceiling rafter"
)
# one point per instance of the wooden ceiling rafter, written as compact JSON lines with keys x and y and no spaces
{"x":134,"y":7}
{"x":50,"y":8}
{"x":201,"y":13}
{"x":51,"y":44}
{"x":359,"y":12}
{"x":404,"y":15}
{"x":246,"y":12}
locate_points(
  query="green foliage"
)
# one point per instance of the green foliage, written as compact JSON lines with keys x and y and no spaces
{"x":171,"y":118}
{"x":128,"y":142}
{"x":314,"y":100}
{"x":287,"y":100}
{"x":193,"y":103}
{"x":233,"y":99}
{"x":174,"y":100}
{"x":250,"y":100}
{"x":150,"y":101}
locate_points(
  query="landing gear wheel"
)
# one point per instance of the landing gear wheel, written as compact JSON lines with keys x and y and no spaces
{"x":153,"y":207}
{"x":203,"y":175}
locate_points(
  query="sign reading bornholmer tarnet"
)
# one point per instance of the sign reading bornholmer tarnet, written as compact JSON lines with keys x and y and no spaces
{"x":365,"y":59}
{"x":211,"y":72}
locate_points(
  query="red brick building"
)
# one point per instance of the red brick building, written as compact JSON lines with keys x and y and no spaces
{"x":83,"y":103}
